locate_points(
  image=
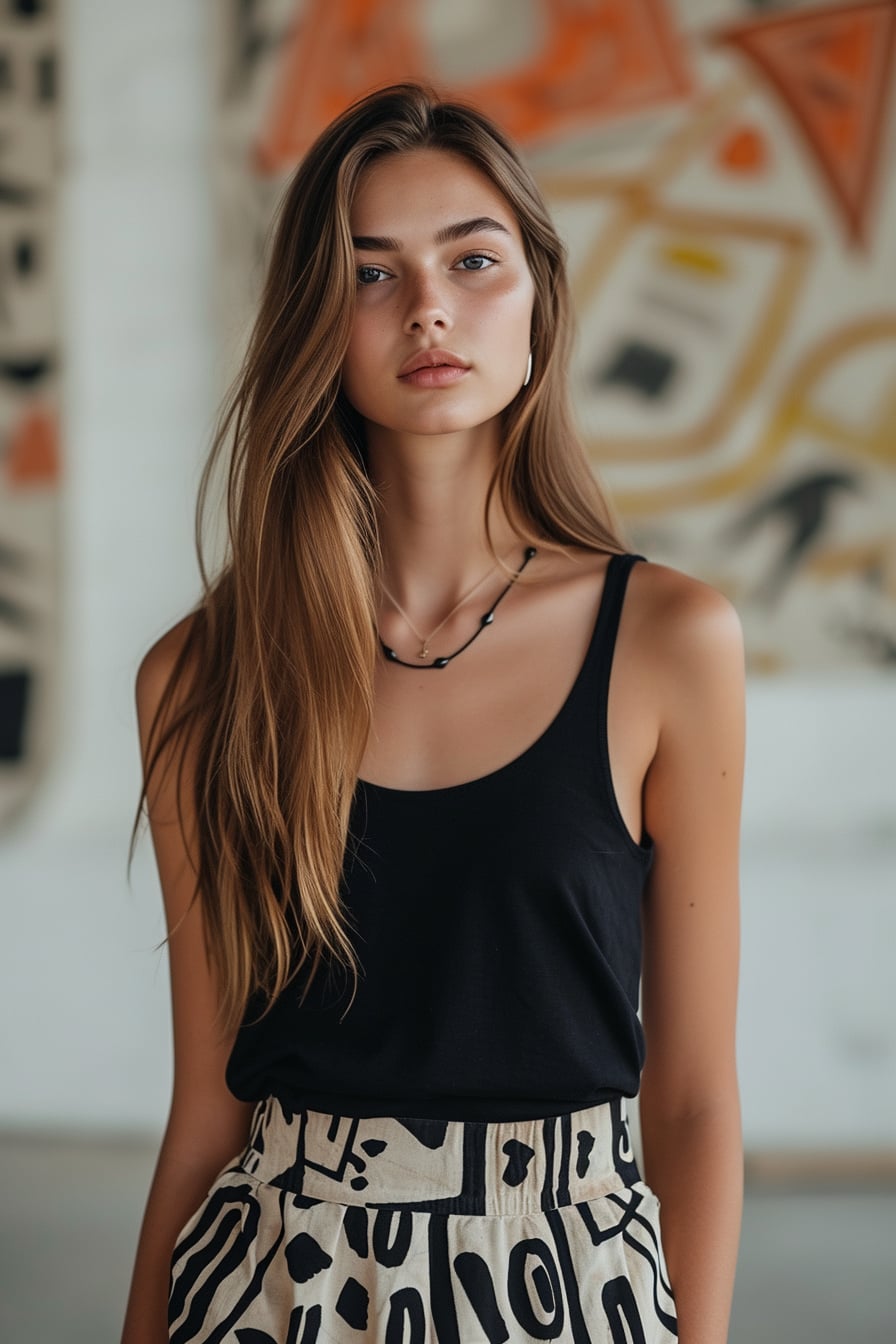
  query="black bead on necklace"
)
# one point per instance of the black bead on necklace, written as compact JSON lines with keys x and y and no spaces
{"x":484,"y":621}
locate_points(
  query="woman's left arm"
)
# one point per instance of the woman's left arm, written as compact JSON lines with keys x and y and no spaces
{"x":689,"y":1102}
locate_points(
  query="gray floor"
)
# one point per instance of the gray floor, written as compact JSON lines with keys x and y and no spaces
{"x":816,"y":1267}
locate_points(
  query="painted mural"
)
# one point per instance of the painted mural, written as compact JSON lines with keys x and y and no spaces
{"x":724,"y":175}
{"x":29,"y":372}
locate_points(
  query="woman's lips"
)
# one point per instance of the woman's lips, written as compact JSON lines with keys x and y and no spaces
{"x":435,"y":375}
{"x":433,"y":367}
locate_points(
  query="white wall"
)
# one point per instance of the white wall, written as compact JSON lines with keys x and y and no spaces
{"x":817,"y":1038}
{"x":83,"y":995}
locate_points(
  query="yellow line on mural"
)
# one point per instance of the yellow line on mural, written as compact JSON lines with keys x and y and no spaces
{"x":877,"y":438}
{"x":703,"y":261}
{"x":769,"y":328}
{"x":637,"y":207}
{"x":791,"y":416}
{"x":705,"y":117}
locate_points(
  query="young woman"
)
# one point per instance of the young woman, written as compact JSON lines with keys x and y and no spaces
{"x":437,"y":774}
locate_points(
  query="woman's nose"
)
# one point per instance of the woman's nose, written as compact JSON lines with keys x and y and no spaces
{"x":427,"y":306}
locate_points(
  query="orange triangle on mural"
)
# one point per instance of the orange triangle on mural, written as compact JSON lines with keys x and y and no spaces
{"x":610,"y":58}
{"x":337,"y":50}
{"x":833,"y":69}
{"x":591,"y":61}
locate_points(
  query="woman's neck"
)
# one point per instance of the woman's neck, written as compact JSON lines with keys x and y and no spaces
{"x":432,"y":493}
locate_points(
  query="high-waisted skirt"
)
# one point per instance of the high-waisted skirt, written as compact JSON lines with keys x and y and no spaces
{"x":328,"y":1228}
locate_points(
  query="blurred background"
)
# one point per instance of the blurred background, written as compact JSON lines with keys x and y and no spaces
{"x":724,"y":173}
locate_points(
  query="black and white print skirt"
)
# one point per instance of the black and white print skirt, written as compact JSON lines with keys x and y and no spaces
{"x":403,"y":1231}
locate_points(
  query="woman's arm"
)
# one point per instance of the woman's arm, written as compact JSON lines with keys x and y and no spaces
{"x":207,"y":1126}
{"x":690,"y":1109}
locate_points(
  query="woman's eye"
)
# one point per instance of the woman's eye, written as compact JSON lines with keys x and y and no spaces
{"x":477,"y":261}
{"x":369,"y":275}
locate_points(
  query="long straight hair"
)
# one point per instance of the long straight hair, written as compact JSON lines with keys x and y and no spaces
{"x":273,"y":686}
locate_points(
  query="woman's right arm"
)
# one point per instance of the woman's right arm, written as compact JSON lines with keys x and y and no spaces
{"x":207,"y":1126}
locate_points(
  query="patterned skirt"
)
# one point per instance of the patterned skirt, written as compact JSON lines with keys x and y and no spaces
{"x":403,"y":1231}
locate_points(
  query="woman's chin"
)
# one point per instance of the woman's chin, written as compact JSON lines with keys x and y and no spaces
{"x":436,"y":421}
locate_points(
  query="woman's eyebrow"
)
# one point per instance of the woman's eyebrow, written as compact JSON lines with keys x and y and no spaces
{"x":481,"y":224}
{"x":449,"y":234}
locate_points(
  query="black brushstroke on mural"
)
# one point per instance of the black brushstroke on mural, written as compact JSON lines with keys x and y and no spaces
{"x":12,"y":193}
{"x":28,"y":9}
{"x":802,"y":510}
{"x":15,"y":691}
{"x":644,"y":368}
{"x":25,"y":254}
{"x":26,"y":372}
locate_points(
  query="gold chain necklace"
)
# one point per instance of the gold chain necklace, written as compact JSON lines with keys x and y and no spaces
{"x":483,"y":620}
{"x":424,"y":639}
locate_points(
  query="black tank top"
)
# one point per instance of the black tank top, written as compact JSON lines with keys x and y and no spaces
{"x":498,"y":927}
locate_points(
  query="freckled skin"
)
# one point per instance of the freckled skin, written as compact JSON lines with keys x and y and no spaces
{"x":472,"y":296}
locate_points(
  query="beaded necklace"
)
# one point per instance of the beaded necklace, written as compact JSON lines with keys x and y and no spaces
{"x":484,"y":620}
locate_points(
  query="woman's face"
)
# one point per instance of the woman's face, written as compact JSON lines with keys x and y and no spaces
{"x":442,"y":321}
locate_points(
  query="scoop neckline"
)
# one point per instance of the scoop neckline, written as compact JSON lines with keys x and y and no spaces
{"x":518,"y":760}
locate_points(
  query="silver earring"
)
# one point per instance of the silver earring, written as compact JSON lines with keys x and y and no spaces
{"x":528,"y":371}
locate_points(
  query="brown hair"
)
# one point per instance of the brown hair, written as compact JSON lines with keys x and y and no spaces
{"x":274,"y":683}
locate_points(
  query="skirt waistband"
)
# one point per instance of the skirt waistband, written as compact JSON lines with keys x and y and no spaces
{"x":439,"y":1166}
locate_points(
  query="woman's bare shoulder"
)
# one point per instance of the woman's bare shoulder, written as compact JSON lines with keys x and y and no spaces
{"x":158,"y":707}
{"x":684,"y":645}
{"x":684,"y":615}
{"x":159,"y":662}
{"x":160,"y":658}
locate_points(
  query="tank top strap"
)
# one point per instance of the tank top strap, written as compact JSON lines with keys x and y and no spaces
{"x":607,"y":625}
{"x":581,"y":729}
{"x":587,"y":701}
